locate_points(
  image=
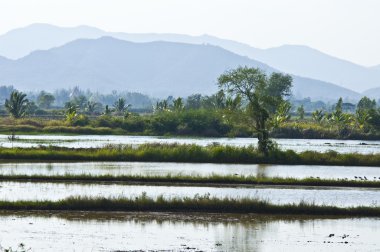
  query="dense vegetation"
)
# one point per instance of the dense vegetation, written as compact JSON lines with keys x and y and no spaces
{"x":197,"y":204}
{"x":203,"y":121}
{"x":190,"y":154}
{"x":218,"y":180}
{"x":249,"y":103}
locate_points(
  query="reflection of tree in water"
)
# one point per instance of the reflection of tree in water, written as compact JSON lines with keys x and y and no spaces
{"x":49,"y":167}
{"x":208,"y":232}
{"x":261,"y":171}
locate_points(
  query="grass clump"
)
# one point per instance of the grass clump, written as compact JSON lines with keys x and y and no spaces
{"x":211,"y":180}
{"x":189,"y":154}
{"x":196,"y":204}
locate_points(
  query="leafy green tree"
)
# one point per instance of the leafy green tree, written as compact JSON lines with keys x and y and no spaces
{"x":264,"y":96}
{"x":31,"y":108}
{"x":339,"y":107}
{"x":161,"y":106}
{"x":45,"y":100}
{"x":215,"y":101}
{"x":194,"y":101}
{"x":366,"y":104}
{"x":178,"y":104}
{"x":301,"y":112}
{"x":366,"y":114}
{"x":17,"y":104}
{"x":220,"y":100}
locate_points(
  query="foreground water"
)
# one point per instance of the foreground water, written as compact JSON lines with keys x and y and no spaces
{"x":91,"y":141}
{"x":343,"y":197}
{"x":149,"y":168}
{"x":83,"y":231}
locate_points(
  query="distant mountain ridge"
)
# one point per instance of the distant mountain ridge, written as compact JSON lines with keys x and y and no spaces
{"x":298,"y":60}
{"x":373,"y":93}
{"x":155,"y":68}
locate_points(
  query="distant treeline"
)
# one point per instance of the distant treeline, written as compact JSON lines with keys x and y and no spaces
{"x":43,"y":102}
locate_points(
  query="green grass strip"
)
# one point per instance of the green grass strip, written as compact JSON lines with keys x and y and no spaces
{"x":196,"y":204}
{"x":189,"y":154}
{"x":191,"y":179}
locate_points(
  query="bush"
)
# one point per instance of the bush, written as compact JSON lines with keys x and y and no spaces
{"x":80,"y":120}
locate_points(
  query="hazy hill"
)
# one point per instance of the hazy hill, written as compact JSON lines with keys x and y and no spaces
{"x":306,"y":61}
{"x":4,"y":60}
{"x":20,"y":42}
{"x":298,"y":60}
{"x":373,"y":93}
{"x":155,"y":68}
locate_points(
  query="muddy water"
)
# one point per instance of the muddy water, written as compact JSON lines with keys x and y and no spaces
{"x":186,"y":232}
{"x":88,"y":141}
{"x":139,"y":168}
{"x":13,"y":191}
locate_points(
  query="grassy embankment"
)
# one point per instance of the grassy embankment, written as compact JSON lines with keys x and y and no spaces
{"x":196,"y":204}
{"x":189,"y":123}
{"x":211,"y":180}
{"x":189,"y":154}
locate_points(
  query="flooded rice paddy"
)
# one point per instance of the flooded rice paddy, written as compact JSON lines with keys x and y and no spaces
{"x":342,"y":197}
{"x":81,"y":231}
{"x":150,"y":168}
{"x":92,"y":141}
{"x":116,"y":231}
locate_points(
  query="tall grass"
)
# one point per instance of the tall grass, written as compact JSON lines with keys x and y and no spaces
{"x":210,"y":180}
{"x":196,"y":204}
{"x":189,"y":154}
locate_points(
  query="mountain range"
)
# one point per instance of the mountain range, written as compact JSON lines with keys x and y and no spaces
{"x":29,"y":68}
{"x":156,"y":68}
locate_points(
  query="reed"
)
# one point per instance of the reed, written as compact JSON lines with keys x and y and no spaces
{"x":189,"y":154}
{"x":211,"y":180}
{"x":196,"y":204}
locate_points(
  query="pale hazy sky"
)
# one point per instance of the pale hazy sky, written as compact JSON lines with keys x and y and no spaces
{"x":349,"y":29}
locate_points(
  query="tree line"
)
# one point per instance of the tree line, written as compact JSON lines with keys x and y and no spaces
{"x":246,"y":98}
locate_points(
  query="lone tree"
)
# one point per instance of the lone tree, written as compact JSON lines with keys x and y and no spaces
{"x":17,"y":105}
{"x":45,"y":100}
{"x":264,"y":95}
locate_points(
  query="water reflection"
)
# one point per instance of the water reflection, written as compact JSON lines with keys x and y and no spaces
{"x":13,"y":191}
{"x":91,"y":141}
{"x":205,"y":232}
{"x":139,"y":168}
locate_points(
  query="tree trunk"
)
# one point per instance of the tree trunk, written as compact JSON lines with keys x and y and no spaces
{"x":263,"y":137}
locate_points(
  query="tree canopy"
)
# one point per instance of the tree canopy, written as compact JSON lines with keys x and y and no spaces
{"x":263,"y":93}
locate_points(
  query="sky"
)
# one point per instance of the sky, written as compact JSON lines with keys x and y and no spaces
{"x":348,"y":29}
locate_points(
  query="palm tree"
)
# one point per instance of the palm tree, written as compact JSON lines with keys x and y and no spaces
{"x":91,"y":107}
{"x":317,"y":116}
{"x":71,"y":113}
{"x":17,"y":105}
{"x":121,"y":106}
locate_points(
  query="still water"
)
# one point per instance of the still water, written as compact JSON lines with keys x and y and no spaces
{"x":149,"y":168}
{"x":83,"y":231}
{"x":344,"y":197}
{"x":91,"y":141}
